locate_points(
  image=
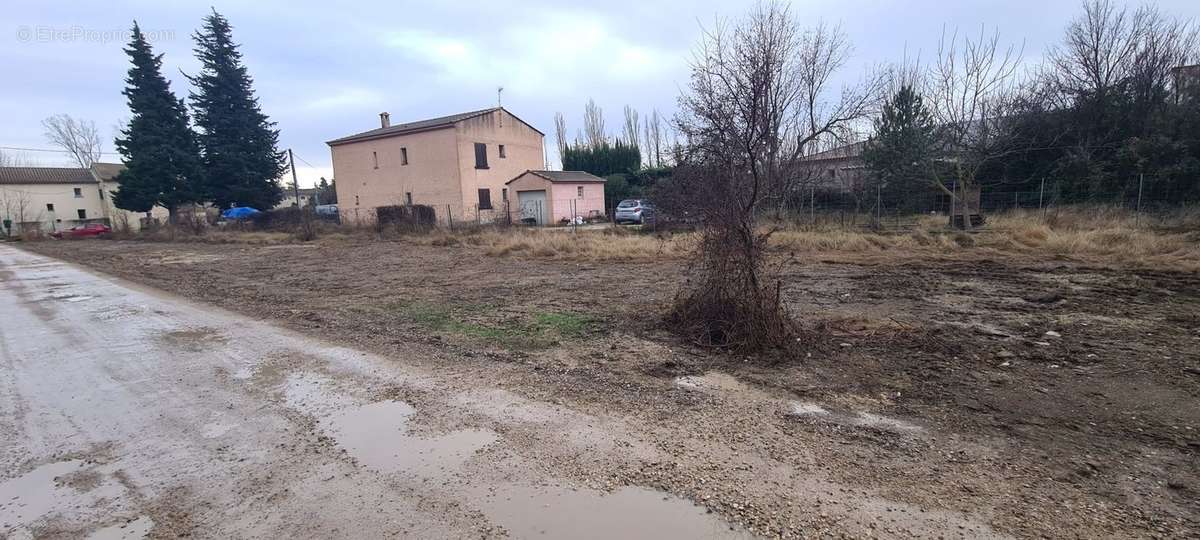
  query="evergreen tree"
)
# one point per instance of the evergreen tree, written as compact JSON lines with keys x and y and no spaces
{"x":602,"y":159}
{"x":241,"y":162}
{"x":162,"y":164}
{"x":327,"y":191}
{"x":900,"y":154}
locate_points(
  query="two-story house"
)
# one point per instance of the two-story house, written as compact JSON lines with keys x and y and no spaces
{"x":457,"y":164}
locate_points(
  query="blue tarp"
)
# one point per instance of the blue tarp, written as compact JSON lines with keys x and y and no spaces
{"x":239,"y":212}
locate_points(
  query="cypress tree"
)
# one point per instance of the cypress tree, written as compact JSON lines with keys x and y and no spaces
{"x":238,"y":142}
{"x":159,"y":149}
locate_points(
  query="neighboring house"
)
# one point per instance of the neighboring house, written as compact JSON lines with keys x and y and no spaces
{"x":549,"y":197}
{"x":57,"y":198}
{"x":840,"y":169}
{"x":307,"y":197}
{"x":1187,"y":81}
{"x":457,"y":164}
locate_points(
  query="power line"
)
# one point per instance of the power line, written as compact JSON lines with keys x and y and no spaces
{"x":22,"y":149}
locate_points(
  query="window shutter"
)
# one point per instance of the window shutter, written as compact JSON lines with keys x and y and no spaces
{"x":485,"y":199}
{"x":481,"y":156}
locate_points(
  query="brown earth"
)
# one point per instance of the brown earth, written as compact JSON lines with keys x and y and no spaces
{"x":927,"y":387}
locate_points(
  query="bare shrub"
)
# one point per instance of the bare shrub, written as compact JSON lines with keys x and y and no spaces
{"x":406,"y":218}
{"x":757,"y":102}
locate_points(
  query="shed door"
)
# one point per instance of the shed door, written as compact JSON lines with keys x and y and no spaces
{"x":533,"y":206}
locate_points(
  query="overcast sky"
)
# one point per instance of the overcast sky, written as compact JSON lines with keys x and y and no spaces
{"x":324,"y":70}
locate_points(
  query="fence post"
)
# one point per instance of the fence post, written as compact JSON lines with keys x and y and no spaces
{"x":1137,"y":216}
{"x":449,"y":217}
{"x":812,"y":203}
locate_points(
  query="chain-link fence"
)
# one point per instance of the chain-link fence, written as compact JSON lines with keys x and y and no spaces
{"x":879,"y":208}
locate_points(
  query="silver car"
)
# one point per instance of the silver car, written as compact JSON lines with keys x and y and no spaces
{"x":633,"y":211}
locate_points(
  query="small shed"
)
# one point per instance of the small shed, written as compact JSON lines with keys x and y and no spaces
{"x":549,"y":197}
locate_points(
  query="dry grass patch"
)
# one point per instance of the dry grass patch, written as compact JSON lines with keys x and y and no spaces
{"x":592,"y":245}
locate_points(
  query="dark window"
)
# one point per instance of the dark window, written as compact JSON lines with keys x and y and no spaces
{"x":82,"y":213}
{"x":480,"y":156}
{"x":101,"y":191}
{"x":375,"y":159}
{"x":408,"y":198}
{"x":502,"y":152}
{"x":404,"y":156}
{"x":579,"y":191}
{"x":485,"y":199}
{"x":78,"y":193}
{"x":504,"y":194}
{"x":49,"y":207}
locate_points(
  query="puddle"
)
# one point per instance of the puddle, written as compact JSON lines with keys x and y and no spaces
{"x":377,"y":436}
{"x":42,"y":491}
{"x":627,"y":513}
{"x":852,"y":418}
{"x":138,"y":528}
{"x":194,"y":340}
{"x":70,"y":297}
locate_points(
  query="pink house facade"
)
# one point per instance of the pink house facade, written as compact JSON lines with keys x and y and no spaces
{"x":554,"y":197}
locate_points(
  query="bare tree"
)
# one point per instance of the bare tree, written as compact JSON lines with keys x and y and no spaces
{"x":78,"y":138}
{"x":14,"y":159}
{"x":16,"y":205}
{"x":971,"y":91}
{"x":631,"y":130}
{"x":593,"y":124}
{"x":560,"y":134}
{"x":755,"y":104}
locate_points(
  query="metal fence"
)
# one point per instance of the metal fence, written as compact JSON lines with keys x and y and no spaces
{"x":880,"y":209}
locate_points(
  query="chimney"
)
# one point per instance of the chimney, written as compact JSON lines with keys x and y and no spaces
{"x":385,"y":119}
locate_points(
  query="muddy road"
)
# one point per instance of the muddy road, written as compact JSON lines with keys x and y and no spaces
{"x":125,"y":413}
{"x":965,"y":395}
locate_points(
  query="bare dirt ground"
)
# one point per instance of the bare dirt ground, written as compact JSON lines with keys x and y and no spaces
{"x":969,"y":395}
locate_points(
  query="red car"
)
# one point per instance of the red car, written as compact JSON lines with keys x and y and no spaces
{"x":91,"y":230}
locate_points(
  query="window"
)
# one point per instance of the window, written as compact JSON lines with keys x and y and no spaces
{"x":485,"y":199}
{"x":579,"y":192}
{"x":504,"y":194}
{"x":49,"y":207}
{"x":502,"y":156}
{"x":404,"y":156}
{"x":78,"y":193}
{"x":408,"y":198}
{"x":375,"y":159}
{"x":480,"y":156}
{"x":82,"y":213}
{"x":101,"y":191}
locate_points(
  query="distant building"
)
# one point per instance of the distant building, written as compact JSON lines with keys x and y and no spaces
{"x":1187,"y":82}
{"x":457,"y":164}
{"x":57,"y":198}
{"x":840,"y":169}
{"x":307,"y":198}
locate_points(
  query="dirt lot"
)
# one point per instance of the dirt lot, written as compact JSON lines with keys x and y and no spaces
{"x":1037,"y":398}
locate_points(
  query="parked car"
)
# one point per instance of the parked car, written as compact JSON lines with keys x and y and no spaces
{"x":327,"y":210}
{"x":90,"y":230}
{"x":634,"y":211}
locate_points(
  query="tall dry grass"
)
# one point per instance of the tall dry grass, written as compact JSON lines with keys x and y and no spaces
{"x":615,"y":244}
{"x":1102,"y":234}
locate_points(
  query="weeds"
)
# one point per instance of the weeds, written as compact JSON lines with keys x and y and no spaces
{"x":544,"y":330}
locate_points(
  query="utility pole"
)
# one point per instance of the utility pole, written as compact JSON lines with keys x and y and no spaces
{"x":295,"y":184}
